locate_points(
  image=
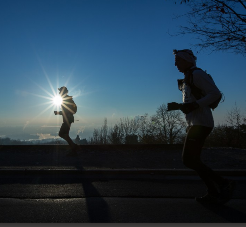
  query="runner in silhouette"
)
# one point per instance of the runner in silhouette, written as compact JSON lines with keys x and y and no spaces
{"x":69,"y":108}
{"x":200,"y":123}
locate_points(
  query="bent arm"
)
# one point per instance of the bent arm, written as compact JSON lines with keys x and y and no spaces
{"x":208,"y":87}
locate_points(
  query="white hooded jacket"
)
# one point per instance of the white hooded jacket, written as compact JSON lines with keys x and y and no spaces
{"x":203,"y":115}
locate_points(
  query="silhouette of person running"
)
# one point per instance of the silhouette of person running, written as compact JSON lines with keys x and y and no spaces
{"x":69,"y":108}
{"x":200,"y":123}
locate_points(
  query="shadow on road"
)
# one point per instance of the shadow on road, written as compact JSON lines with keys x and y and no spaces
{"x":97,"y":207}
{"x":228,"y":213}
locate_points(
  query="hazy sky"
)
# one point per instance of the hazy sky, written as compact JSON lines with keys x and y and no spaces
{"x":114,"y":56}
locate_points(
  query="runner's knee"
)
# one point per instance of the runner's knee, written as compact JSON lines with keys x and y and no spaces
{"x":192,"y":161}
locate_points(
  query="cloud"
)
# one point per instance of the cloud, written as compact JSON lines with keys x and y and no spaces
{"x":81,"y":130}
{"x":43,"y":136}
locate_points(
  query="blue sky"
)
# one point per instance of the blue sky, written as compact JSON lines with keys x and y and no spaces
{"x":114,"y":56}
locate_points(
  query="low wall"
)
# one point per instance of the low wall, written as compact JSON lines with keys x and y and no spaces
{"x":99,"y":147}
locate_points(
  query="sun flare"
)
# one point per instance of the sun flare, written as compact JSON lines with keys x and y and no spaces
{"x":57,"y":100}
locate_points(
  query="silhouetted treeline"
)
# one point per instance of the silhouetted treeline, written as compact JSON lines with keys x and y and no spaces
{"x":227,"y":136}
{"x":164,"y":127}
{"x":230,"y":134}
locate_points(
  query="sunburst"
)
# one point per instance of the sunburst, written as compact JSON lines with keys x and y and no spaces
{"x":57,"y":100}
{"x":54,"y":100}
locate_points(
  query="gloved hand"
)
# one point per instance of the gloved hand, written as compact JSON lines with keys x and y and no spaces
{"x":173,"y":106}
{"x":189,"y":107}
{"x":58,"y":113}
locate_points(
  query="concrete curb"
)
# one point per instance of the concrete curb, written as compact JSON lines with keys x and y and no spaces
{"x":57,"y":170}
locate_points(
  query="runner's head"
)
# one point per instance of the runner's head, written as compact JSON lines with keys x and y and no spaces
{"x":63,"y":90}
{"x":184,"y":59}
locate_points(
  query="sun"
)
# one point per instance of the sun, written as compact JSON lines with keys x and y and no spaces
{"x":57,"y":100}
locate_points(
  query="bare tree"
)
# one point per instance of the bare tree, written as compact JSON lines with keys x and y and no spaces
{"x":129,"y":126}
{"x":95,"y":137}
{"x":235,"y":118}
{"x":233,"y":133}
{"x":146,"y":129}
{"x":169,"y":124}
{"x":217,"y":24}
{"x":100,"y":136}
{"x":104,"y":132}
{"x":115,"y":135}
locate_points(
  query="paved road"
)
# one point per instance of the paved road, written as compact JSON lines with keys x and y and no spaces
{"x":142,"y":198}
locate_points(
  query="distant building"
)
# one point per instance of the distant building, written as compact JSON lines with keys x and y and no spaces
{"x":77,"y":140}
{"x":83,"y":142}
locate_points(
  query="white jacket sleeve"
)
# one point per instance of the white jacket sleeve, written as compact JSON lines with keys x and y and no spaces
{"x":206,"y":84}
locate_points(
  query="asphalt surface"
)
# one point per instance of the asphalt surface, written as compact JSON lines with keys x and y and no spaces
{"x":75,"y":194}
{"x":113,"y":198}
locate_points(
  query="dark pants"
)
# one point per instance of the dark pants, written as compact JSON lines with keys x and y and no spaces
{"x":65,"y":128}
{"x":194,"y":142}
{"x":64,"y":133}
{"x":68,"y":119}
